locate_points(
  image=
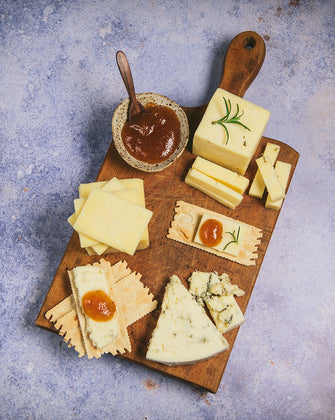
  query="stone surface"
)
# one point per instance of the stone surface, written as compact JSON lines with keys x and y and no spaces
{"x":59,"y":87}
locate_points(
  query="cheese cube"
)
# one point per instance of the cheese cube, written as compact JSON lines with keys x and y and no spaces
{"x":270,"y":178}
{"x":225,"y":312}
{"x":113,"y":220}
{"x":283,"y":172}
{"x":227,"y":177}
{"x":257,"y":187}
{"x":214,"y":189}
{"x":230,"y":144}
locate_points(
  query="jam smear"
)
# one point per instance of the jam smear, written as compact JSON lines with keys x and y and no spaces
{"x":211,"y":232}
{"x":98,"y":306}
{"x":152,"y":135}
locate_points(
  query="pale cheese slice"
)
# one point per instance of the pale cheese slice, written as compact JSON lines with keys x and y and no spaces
{"x":283,"y":172}
{"x":220,"y":192}
{"x":227,"y":177}
{"x":184,"y":334}
{"x":270,"y":178}
{"x":85,"y":189}
{"x":113,"y":220}
{"x":258,"y":186}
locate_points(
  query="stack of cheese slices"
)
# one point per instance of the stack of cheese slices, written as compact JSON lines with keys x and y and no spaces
{"x":110,"y":216}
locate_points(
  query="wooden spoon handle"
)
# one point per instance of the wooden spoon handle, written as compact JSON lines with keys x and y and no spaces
{"x":127,"y":78}
{"x":243,"y":60}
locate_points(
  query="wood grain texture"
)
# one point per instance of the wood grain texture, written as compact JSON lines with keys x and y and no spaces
{"x":166,"y":257}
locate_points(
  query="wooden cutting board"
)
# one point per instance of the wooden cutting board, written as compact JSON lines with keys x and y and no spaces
{"x":166,"y":257}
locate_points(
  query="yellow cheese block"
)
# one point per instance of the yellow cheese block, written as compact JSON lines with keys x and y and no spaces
{"x":283,"y":172}
{"x":227,"y":177}
{"x":113,"y":220}
{"x":257,"y":187}
{"x":270,"y":178}
{"x":214,"y":189}
{"x":85,"y":189}
{"x":230,"y":144}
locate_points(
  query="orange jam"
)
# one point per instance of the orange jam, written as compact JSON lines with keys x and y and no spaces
{"x":211,"y":232}
{"x":152,"y":135}
{"x":98,"y":306}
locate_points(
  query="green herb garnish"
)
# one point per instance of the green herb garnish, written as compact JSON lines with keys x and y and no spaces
{"x":235,"y":238}
{"x":233,"y":120}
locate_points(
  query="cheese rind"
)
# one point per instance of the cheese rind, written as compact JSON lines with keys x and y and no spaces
{"x":210,"y":140}
{"x":270,"y":178}
{"x":258,"y":186}
{"x":214,"y":189}
{"x":227,"y":177}
{"x":283,"y":172}
{"x":184,"y":334}
{"x":113,"y":220}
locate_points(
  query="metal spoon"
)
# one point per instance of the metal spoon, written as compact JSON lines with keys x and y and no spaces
{"x":134,"y":105}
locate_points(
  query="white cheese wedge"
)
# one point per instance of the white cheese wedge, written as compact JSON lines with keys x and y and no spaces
{"x":270,"y":178}
{"x":283,"y":172}
{"x":227,"y":177}
{"x":257,"y":187}
{"x":88,"y":279}
{"x":225,"y":312}
{"x":232,"y":235}
{"x":220,"y":192}
{"x":113,"y":220}
{"x":211,"y":140}
{"x":184,"y":334}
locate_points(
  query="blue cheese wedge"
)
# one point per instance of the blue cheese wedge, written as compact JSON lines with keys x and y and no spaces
{"x":184,"y":334}
{"x":89,"y":279}
{"x":217,"y":293}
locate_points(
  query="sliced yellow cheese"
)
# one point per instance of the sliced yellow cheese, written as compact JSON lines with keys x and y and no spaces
{"x":283,"y":172}
{"x":257,"y":187}
{"x":84,"y":240}
{"x":113,"y":185}
{"x":113,"y":220}
{"x":211,"y":140}
{"x":270,"y":178}
{"x":214,"y":189}
{"x":227,"y":177}
{"x":85,"y":189}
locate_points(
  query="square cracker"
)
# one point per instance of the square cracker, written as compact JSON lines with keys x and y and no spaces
{"x":185,"y":224}
{"x":121,"y":343}
{"x":137,"y":302}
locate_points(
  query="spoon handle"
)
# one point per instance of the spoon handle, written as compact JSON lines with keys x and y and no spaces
{"x":123,"y":65}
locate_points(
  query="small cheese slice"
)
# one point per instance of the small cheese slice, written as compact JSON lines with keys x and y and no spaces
{"x":283,"y":172}
{"x":85,"y":189}
{"x":85,"y":241}
{"x":89,"y":279}
{"x":257,"y":187}
{"x":113,"y":220}
{"x":225,"y":195}
{"x":211,"y":141}
{"x":113,"y":185}
{"x":227,"y":177}
{"x":184,"y":334}
{"x":270,"y":178}
{"x":232,"y":237}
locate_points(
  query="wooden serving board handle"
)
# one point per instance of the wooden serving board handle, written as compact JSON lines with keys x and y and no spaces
{"x":244,"y":59}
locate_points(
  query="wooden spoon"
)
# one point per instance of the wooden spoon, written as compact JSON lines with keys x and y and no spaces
{"x":134,"y":105}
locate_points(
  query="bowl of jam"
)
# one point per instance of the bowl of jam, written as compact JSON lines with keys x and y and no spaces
{"x":155,"y":137}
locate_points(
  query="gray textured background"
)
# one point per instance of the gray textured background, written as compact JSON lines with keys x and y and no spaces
{"x":59,"y":86}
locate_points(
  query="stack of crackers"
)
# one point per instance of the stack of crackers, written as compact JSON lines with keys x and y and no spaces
{"x":132,"y":299}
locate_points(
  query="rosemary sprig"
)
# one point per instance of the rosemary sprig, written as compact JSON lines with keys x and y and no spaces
{"x":235,"y":238}
{"x":233,"y":120}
